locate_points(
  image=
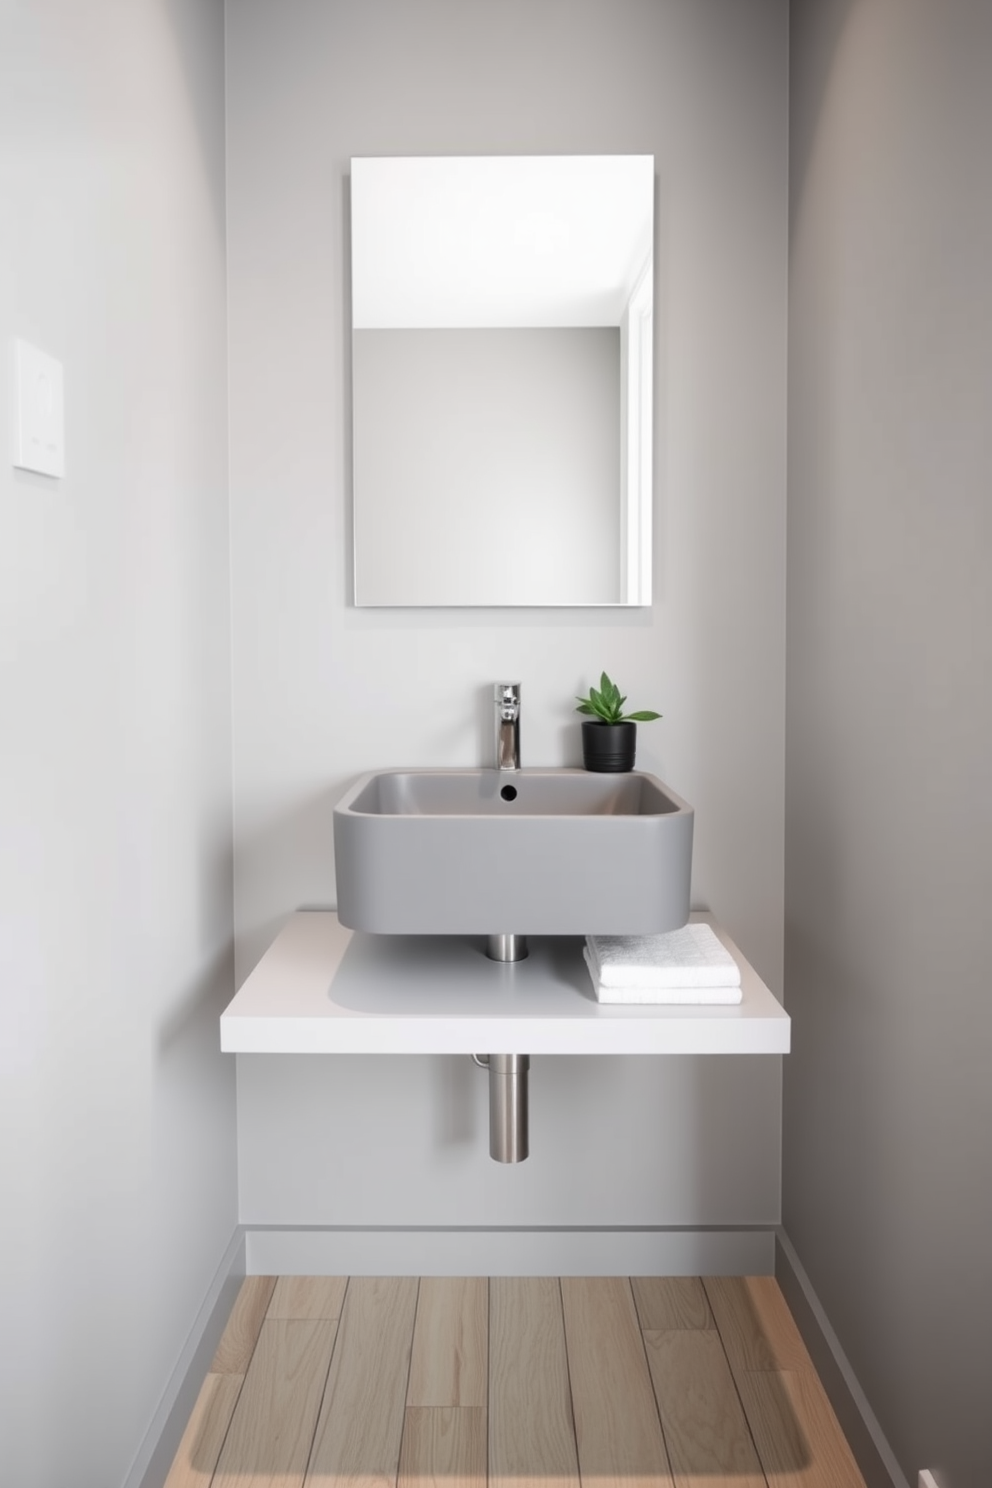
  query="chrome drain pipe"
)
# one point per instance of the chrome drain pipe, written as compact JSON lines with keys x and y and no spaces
{"x":508,"y":1135}
{"x":506,"y":947}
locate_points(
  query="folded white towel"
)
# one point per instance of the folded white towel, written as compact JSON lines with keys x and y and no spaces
{"x":690,"y":957}
{"x":687,"y":996}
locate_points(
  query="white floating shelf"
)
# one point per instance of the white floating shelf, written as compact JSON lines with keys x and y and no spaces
{"x":322,"y":989}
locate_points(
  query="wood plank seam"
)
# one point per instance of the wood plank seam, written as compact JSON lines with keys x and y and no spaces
{"x":190,"y":1458}
{"x":230,"y":1422}
{"x":733,"y":1375}
{"x":489,"y":1378}
{"x":709,"y":1433}
{"x":737,"y":1391}
{"x":618,"y":1432}
{"x":251,"y":1287}
{"x":664,"y":1302}
{"x":449,"y":1362}
{"x":531,"y":1427}
{"x":443,"y":1445}
{"x":271,"y":1430}
{"x":307,"y":1297}
{"x":360,"y":1424}
{"x":323,"y":1392}
{"x":409,"y":1367}
{"x":568,"y":1374}
{"x":768,"y":1354}
{"x":654,"y":1392}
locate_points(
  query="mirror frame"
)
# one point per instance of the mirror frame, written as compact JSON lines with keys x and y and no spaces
{"x":382,"y":297}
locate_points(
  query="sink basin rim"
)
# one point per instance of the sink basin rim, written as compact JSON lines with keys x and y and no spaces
{"x":541,"y":792}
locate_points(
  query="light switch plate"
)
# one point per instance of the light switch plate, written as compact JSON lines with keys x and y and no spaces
{"x":39,"y":433}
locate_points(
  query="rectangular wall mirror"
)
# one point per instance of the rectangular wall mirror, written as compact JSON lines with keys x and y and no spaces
{"x":502,"y":332}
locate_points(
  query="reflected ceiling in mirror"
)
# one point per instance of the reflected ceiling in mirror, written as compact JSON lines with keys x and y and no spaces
{"x":502,"y":333}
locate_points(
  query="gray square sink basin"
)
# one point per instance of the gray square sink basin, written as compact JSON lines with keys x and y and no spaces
{"x":528,"y":852}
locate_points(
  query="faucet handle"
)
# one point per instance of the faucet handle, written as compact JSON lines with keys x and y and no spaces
{"x":507,"y":698}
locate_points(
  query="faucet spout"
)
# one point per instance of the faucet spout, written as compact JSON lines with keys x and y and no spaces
{"x":506,"y":696}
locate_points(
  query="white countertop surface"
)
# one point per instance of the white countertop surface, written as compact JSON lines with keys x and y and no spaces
{"x":322,"y":989}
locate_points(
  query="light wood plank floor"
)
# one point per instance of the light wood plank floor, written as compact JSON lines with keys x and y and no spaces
{"x":379,"y":1382}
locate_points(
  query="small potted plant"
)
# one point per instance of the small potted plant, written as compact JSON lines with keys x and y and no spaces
{"x":609,"y":736}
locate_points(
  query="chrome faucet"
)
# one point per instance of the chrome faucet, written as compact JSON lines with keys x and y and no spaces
{"x":506,"y":696}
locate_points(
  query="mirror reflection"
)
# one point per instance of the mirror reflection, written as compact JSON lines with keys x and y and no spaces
{"x":502,"y":313}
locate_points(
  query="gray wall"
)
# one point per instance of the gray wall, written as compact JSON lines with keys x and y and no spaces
{"x":888,"y":1096}
{"x":323,"y":692}
{"x":117,"y":1129}
{"x":315,"y":1150}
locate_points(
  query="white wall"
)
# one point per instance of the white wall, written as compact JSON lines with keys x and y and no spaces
{"x":322,"y":691}
{"x":117,"y":1137}
{"x":888,"y":1099}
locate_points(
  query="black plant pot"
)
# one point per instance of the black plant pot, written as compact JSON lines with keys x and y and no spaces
{"x":608,"y":747}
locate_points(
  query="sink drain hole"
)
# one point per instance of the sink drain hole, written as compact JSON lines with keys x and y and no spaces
{"x":509,"y":793}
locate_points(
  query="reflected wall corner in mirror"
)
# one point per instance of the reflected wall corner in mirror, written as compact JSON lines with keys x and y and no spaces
{"x":502,"y":357}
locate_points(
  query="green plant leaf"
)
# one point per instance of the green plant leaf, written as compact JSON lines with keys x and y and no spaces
{"x":606,"y":703}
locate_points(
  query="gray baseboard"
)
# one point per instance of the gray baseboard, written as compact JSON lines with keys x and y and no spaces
{"x":155,"y":1455}
{"x":345,"y":1251}
{"x":872,"y":1452}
